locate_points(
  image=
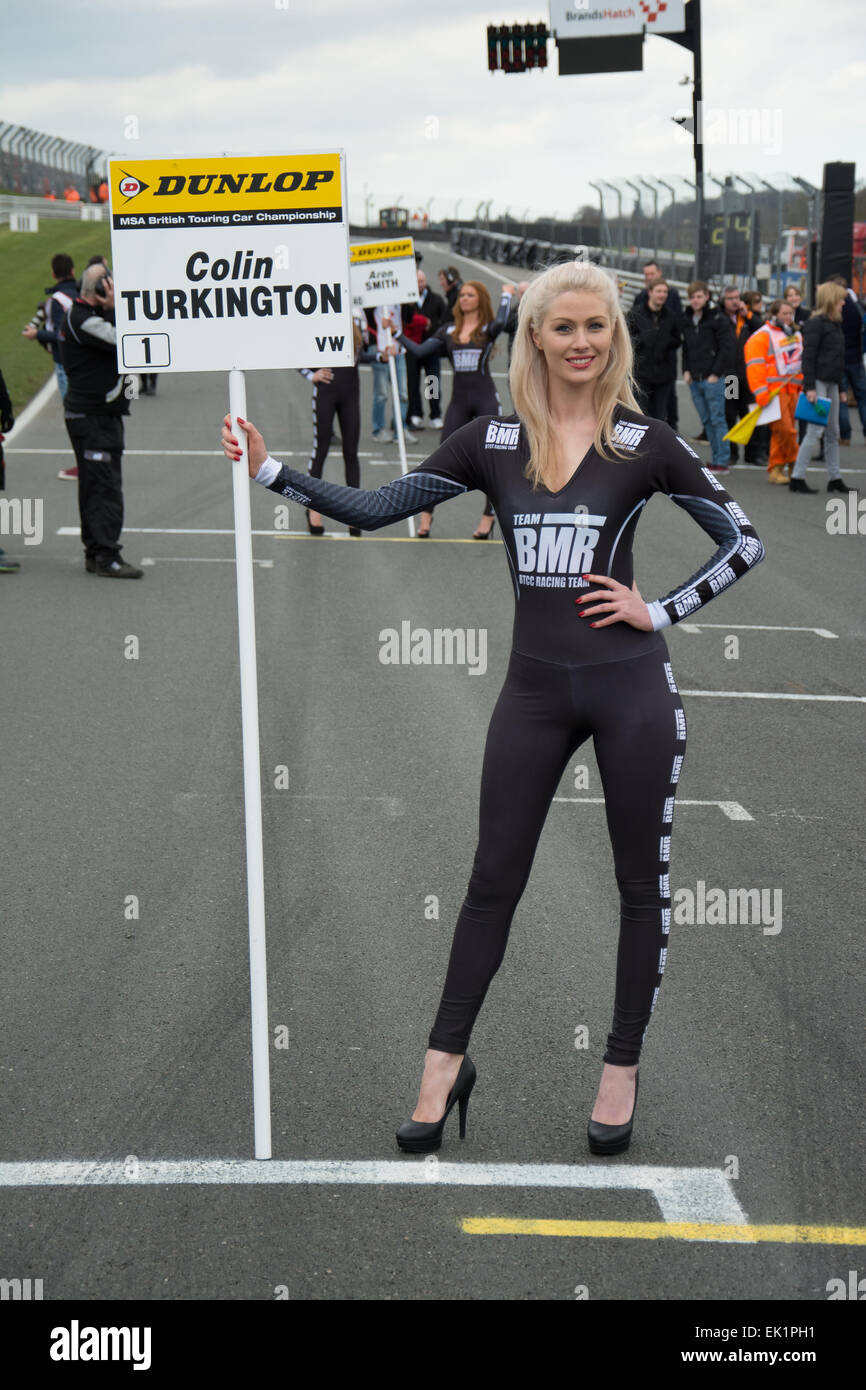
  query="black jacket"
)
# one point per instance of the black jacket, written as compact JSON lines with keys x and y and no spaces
{"x":823,"y":351}
{"x":673,"y":301}
{"x":7,"y":420}
{"x":709,"y":347}
{"x":89,"y":354}
{"x":852,"y":331}
{"x":511,"y":328}
{"x":655,"y":338}
{"x":433,"y":309}
{"x":49,"y":336}
{"x":748,"y":326}
{"x":451,"y":295}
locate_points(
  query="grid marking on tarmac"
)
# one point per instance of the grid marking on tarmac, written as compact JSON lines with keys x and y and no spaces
{"x":755,"y":627}
{"x":682,"y":1194}
{"x":279,"y":453}
{"x":198,"y":560}
{"x":773,"y":695}
{"x":275,"y":535}
{"x":218,"y":454}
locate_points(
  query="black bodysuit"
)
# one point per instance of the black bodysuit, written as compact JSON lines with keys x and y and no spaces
{"x":568,"y":681}
{"x":474,"y":392}
{"x":341,"y":396}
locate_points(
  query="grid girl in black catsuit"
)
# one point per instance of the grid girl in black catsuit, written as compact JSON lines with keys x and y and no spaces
{"x":337,"y":392}
{"x":468,"y":349}
{"x":588,"y":656}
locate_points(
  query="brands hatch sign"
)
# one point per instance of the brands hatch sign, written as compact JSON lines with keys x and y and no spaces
{"x":231,"y":262}
{"x":584,"y":19}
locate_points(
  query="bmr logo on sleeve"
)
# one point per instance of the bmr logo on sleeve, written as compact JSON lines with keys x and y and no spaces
{"x":688,"y":448}
{"x":713,"y":480}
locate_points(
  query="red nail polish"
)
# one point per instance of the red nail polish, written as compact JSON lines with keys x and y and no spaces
{"x":593,"y":625}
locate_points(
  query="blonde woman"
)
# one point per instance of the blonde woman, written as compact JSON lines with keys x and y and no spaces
{"x":569,"y":475}
{"x":823,"y":370}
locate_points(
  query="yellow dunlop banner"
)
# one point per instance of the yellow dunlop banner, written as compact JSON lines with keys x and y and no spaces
{"x":382,"y":251}
{"x":231,"y":191}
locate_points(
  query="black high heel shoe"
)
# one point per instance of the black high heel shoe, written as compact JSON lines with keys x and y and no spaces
{"x":416,"y":1136}
{"x":612,"y":1139}
{"x":354,"y":530}
{"x":484,"y":535}
{"x":314,"y":530}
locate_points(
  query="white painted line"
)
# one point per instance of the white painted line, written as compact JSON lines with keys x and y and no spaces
{"x":41,"y":399}
{"x":683,"y":1194}
{"x":218,"y":454}
{"x":199,"y":531}
{"x":772,"y":695}
{"x":274,"y":535}
{"x":163,"y":531}
{"x":755,"y":627}
{"x":198,"y":560}
{"x":810,"y":468}
{"x":732,"y":809}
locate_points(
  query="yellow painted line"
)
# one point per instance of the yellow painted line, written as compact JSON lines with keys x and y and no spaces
{"x":666,"y":1230}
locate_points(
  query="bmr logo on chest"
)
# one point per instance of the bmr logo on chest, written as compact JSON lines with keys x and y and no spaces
{"x":554,"y":549}
{"x":500,"y":436}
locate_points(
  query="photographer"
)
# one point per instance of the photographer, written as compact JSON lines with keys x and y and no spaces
{"x":95,"y":405}
{"x":46,"y":326}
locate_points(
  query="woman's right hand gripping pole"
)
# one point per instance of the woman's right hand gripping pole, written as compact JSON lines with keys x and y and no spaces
{"x":256,"y":448}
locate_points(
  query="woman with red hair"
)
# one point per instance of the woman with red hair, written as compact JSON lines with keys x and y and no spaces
{"x":468,"y":342}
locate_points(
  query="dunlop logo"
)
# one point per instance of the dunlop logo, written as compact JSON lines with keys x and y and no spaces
{"x":202,"y":191}
{"x":288,"y":181}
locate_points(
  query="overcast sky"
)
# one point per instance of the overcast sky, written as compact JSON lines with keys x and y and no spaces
{"x":403,"y":87}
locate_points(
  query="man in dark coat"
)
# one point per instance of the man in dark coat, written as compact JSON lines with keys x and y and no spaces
{"x":656,"y":336}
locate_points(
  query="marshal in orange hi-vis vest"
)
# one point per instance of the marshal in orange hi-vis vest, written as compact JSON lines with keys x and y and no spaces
{"x":773,"y":356}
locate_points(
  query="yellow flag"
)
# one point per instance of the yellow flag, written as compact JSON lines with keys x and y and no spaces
{"x":742,"y":431}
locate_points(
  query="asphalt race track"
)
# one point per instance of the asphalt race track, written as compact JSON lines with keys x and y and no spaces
{"x":125,"y":996}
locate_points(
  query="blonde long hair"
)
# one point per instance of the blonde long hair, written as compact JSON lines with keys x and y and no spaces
{"x":528,"y":377}
{"x":827,"y":296}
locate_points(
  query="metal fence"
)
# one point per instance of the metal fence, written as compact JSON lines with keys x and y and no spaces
{"x":34,"y":163}
{"x":532,"y":254}
{"x":46,"y":207}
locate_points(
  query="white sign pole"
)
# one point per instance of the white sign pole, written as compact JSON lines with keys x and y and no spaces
{"x":398,"y":421}
{"x":252,"y":774}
